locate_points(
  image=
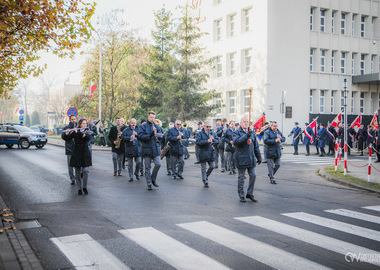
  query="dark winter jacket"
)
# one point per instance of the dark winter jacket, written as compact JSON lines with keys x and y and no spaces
{"x":176,"y":148}
{"x":207,"y":152}
{"x":69,"y":143}
{"x":247,"y":155}
{"x":273,"y":147}
{"x":150,"y":143}
{"x":132,"y":146}
{"x":81,"y":156}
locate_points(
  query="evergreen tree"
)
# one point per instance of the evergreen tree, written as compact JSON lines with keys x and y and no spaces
{"x":35,"y":118}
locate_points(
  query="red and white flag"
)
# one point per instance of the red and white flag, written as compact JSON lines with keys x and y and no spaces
{"x":357,"y":122}
{"x":337,"y":120}
{"x":16,"y":110}
{"x":374,"y":122}
{"x":2,"y":113}
{"x":313,"y":126}
{"x":92,"y":88}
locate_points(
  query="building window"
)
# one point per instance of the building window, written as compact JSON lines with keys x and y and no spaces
{"x":332,"y":99}
{"x":353,"y":64}
{"x":373,"y":63}
{"x":323,"y":60}
{"x":332,"y":61}
{"x":231,"y":63}
{"x":232,"y":102}
{"x":216,"y":2}
{"x":322,"y":102}
{"x":373,"y":27}
{"x":246,"y":101}
{"x":352,"y":103}
{"x":362,"y":64}
{"x":219,"y":70}
{"x":343,"y":24}
{"x":246,"y":20}
{"x":311,"y":59}
{"x":341,"y":101}
{"x":218,"y":30}
{"x":218,"y":103}
{"x":312,"y":19}
{"x":231,"y":25}
{"x":322,"y":18}
{"x":311,"y":101}
{"x":333,"y":21}
{"x":247,"y":60}
{"x":362,"y":26}
{"x":361,"y":103}
{"x":353,"y":24}
{"x":343,"y":62}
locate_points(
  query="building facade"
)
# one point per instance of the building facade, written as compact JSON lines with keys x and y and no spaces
{"x":295,"y":55}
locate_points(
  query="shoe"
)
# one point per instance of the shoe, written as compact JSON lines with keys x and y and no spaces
{"x":251,"y":197}
{"x":216,"y":167}
{"x":149,"y":187}
{"x":72,"y":183}
{"x":169,"y":173}
{"x":197,"y":162}
{"x":155,"y":184}
{"x":85,"y":191}
{"x":114,"y":174}
{"x":273,"y":182}
{"x":222,"y":171}
{"x":174,"y":177}
{"x":141,"y":174}
{"x":308,"y":154}
{"x":180,"y":176}
{"x":234,"y":172}
{"x":242,"y":199}
{"x":119,"y":174}
{"x":264,"y":161}
{"x":230,"y":173}
{"x":137,"y":176}
{"x":131,"y":180}
{"x":206,"y":185}
{"x":80,"y":192}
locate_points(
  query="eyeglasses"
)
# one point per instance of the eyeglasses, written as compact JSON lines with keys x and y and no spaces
{"x":207,"y":126}
{"x":178,"y":124}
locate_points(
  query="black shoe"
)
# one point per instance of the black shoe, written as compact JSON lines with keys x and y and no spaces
{"x":137,"y":176}
{"x":251,"y":197}
{"x":180,"y":176}
{"x":273,"y":182}
{"x":206,"y":185}
{"x":242,"y":199}
{"x":85,"y":191}
{"x":149,"y":187}
{"x":155,"y":184}
{"x":174,"y":177}
{"x":141,"y":174}
{"x":72,"y":183}
{"x":377,"y":161}
{"x":222,"y":171}
{"x":264,"y":161}
{"x":308,"y":154}
{"x":115,"y":173}
{"x":230,"y":173}
{"x":197,"y":162}
{"x":80,"y":192}
{"x":130,"y":179}
{"x":119,"y":174}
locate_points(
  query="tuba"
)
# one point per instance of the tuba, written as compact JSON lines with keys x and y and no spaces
{"x":118,"y":140}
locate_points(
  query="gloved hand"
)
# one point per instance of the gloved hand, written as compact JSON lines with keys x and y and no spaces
{"x":249,"y":133}
{"x":258,"y":162}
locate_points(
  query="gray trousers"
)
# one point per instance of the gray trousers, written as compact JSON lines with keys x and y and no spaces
{"x":71,"y":169}
{"x":222,"y":159}
{"x":169,"y":165}
{"x":241,"y":178}
{"x":231,"y":161}
{"x":186,"y":151}
{"x":142,"y":166}
{"x":117,"y":160}
{"x":157,"y":164}
{"x":81,"y":184}
{"x":130,"y":165}
{"x":177,"y":164}
{"x":197,"y":152}
{"x":273,"y":166}
{"x":265,"y":152}
{"x":205,"y":174}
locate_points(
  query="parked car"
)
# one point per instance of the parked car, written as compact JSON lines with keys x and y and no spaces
{"x":39,"y":129}
{"x":20,"y":135}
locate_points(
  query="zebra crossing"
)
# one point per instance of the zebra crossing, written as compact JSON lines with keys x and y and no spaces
{"x":312,"y":160}
{"x":86,"y":253}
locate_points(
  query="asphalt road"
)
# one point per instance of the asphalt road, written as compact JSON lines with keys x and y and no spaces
{"x":183,"y":225}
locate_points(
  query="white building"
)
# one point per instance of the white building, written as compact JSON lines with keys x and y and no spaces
{"x":295,"y":52}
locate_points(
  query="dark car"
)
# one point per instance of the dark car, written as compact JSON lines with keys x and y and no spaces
{"x":39,"y":129}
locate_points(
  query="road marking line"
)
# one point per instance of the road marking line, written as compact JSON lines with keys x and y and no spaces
{"x":309,"y":237}
{"x":374,"y":208}
{"x":354,"y":214}
{"x":170,"y":250}
{"x":85,"y":253}
{"x":336,"y":225}
{"x":264,"y":253}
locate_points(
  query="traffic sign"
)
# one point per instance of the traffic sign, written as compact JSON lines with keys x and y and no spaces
{"x":21,"y":118}
{"x":21,"y":111}
{"x":72,"y":111}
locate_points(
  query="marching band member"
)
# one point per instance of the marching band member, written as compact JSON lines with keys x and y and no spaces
{"x":169,"y":170}
{"x":117,"y":146}
{"x":132,"y":148}
{"x":322,"y":136}
{"x":176,"y":150}
{"x":297,"y":136}
{"x":230,"y":147}
{"x":69,"y":146}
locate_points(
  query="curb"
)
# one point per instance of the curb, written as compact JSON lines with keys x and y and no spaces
{"x":323,"y":174}
{"x":106,"y":149}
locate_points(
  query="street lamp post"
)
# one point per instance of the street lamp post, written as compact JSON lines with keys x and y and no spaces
{"x":282,"y":109}
{"x":100,"y":75}
{"x":345,"y":126}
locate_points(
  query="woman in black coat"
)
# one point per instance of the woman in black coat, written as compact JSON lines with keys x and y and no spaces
{"x":81,"y":156}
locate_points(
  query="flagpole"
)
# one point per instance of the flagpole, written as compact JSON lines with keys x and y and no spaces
{"x":345,"y":126}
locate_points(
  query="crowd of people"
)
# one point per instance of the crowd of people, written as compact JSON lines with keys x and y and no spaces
{"x":233,"y":146}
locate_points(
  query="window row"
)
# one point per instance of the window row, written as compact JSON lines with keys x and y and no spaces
{"x":325,"y":101}
{"x":344,"y":23}
{"x":332,"y":61}
{"x":231,"y":66}
{"x":231,"y":24}
{"x":232,"y":104}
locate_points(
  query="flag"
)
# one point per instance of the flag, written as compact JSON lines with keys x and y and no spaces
{"x":2,"y":113}
{"x":374,"y":122}
{"x":260,"y":122}
{"x":92,"y":88}
{"x":17,"y":109}
{"x":313,"y":126}
{"x":357,"y":122}
{"x":337,"y":120}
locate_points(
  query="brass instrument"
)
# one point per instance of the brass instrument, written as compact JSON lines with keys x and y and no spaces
{"x":164,"y":150}
{"x":118,"y":140}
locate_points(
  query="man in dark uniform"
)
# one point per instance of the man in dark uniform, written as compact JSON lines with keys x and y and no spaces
{"x":273,"y":139}
{"x":247,"y":157}
{"x":114,"y":137}
{"x":230,"y":147}
{"x":308,"y":139}
{"x":263,"y":129}
{"x":351,"y":134}
{"x":220,"y":147}
{"x":361,"y":136}
{"x":167,"y":154}
{"x":175,"y":135}
{"x":132,"y":148}
{"x":322,"y":136}
{"x":331,"y":137}
{"x":297,"y":136}
{"x":142,"y":122}
{"x":69,"y":146}
{"x":151,"y":150}
{"x":199,"y":128}
{"x":207,"y":154}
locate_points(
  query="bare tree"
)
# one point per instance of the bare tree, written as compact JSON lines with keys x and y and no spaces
{"x":58,"y":104}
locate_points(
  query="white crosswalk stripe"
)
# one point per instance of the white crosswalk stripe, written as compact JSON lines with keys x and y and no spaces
{"x":85,"y":253}
{"x":375,"y":208}
{"x":356,"y":215}
{"x":312,"y":160}
{"x":336,"y":225}
{"x":309,"y":237}
{"x":170,"y":250}
{"x":252,"y":248}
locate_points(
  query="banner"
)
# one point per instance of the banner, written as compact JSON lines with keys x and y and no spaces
{"x":374,"y":122}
